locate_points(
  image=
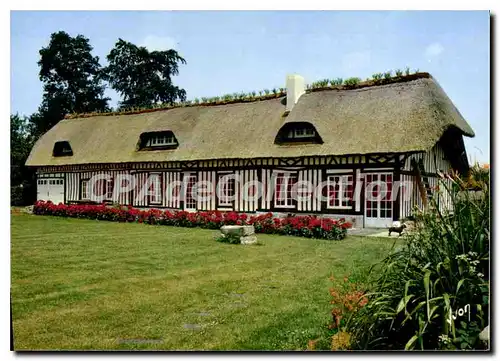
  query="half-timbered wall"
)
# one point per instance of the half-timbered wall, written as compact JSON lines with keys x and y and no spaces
{"x":172,"y":189}
{"x":225,"y":164}
{"x":257,"y":178}
{"x":73,"y":186}
{"x":433,"y":161}
{"x":246,"y":190}
{"x":409,"y":194}
{"x":207,"y":192}
{"x":258,"y":183}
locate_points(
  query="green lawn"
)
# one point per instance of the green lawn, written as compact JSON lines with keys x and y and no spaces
{"x":83,"y":284}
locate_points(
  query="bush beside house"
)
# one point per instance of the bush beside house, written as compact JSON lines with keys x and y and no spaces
{"x":433,"y":292}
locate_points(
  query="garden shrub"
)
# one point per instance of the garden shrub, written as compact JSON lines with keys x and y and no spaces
{"x":22,"y":194}
{"x":229,"y":238}
{"x":347,"y":298}
{"x":303,"y":226}
{"x":442,"y":268}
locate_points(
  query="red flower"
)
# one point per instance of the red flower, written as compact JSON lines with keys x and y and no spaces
{"x":309,"y":226}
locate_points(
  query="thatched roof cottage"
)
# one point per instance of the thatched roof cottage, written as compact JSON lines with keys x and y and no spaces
{"x":321,"y":151}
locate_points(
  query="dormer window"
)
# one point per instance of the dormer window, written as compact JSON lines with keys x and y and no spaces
{"x":161,"y":140}
{"x":158,"y":140}
{"x":62,"y":149}
{"x":305,"y":132}
{"x":298,"y":132}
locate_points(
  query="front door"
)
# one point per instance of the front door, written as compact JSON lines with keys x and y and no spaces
{"x":378,"y":200}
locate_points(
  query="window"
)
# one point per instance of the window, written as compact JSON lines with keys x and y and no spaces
{"x":157,"y":141}
{"x":164,"y":140}
{"x":283,"y":190}
{"x":62,"y":149}
{"x":301,"y":133}
{"x":298,"y":132}
{"x":386,"y":203}
{"x":108,"y":189}
{"x":84,"y":189}
{"x":190,"y":202}
{"x":226,"y":190}
{"x":155,"y":189}
{"x":340,"y":191}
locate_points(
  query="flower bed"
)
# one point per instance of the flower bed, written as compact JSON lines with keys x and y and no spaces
{"x":303,"y":226}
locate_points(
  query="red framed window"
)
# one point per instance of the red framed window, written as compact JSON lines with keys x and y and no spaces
{"x":84,"y":189}
{"x":155,"y":191}
{"x":226,"y":190}
{"x":189,"y":200}
{"x":340,"y":191}
{"x":283,"y":197}
{"x":108,"y":189}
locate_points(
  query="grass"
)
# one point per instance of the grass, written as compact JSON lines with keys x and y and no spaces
{"x":83,"y":284}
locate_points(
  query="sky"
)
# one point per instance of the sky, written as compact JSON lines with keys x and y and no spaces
{"x":229,"y":52}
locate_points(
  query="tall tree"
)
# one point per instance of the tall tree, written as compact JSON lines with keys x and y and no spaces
{"x":143,"y":78}
{"x":20,"y":146}
{"x":72,"y":81}
{"x":21,"y":178}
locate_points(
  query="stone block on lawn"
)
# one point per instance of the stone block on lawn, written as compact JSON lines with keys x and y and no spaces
{"x":252,"y":239}
{"x":245,"y":233}
{"x":237,"y":230}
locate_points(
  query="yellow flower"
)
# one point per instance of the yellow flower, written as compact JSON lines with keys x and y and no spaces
{"x":341,"y":341}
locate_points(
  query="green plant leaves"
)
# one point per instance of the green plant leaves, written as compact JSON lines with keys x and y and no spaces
{"x":411,"y":342}
{"x":426,"y":286}
{"x":459,"y":284}
{"x":442,"y":267}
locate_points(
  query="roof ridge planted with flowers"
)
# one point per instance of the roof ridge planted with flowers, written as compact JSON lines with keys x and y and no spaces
{"x":321,"y":85}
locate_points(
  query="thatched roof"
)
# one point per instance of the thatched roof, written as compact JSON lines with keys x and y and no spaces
{"x":398,"y":117}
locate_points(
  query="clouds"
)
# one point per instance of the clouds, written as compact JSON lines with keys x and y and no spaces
{"x":153,"y":42}
{"x":433,"y":51}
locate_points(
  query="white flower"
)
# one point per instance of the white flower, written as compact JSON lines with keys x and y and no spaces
{"x":480,"y":275}
{"x":444,"y":339}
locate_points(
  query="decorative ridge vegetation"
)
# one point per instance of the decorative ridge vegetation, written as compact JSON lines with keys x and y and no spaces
{"x":399,"y":76}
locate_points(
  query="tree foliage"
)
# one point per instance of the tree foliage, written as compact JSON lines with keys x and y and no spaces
{"x":72,"y":81}
{"x":143,"y":78}
{"x":20,"y":146}
{"x":21,"y":178}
